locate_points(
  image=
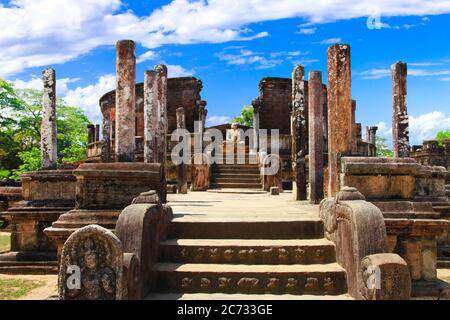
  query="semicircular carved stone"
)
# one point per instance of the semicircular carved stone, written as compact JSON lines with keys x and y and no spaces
{"x":248,"y":283}
{"x":224,"y":283}
{"x":283,"y":256}
{"x":91,"y":266}
{"x":273,"y":284}
{"x":228,"y":255}
{"x":186,"y":283}
{"x":299,"y":255}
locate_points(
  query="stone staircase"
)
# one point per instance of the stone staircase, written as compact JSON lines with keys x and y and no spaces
{"x":247,"y":259}
{"x":239,"y":171}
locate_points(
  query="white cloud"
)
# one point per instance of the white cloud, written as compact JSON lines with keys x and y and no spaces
{"x":414,"y":72}
{"x":36,"y":84}
{"x":149,"y":55}
{"x":331,"y":41}
{"x":307,"y":31}
{"x":248,"y":57}
{"x":174,"y":71}
{"x":216,"y":120}
{"x":422,"y":127}
{"x":40,"y":33}
{"x":88,"y":97}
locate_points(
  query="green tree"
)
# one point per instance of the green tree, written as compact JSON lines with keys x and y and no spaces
{"x":246,"y":117}
{"x":20,"y":119}
{"x":442,"y":135}
{"x":382,"y":149}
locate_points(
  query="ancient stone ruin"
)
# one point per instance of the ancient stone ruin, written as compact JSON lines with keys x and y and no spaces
{"x":132,"y":223}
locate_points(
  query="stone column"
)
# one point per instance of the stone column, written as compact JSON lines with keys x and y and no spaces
{"x":151,"y":116}
{"x":91,"y":133}
{"x":202,"y":113}
{"x":400,"y":120}
{"x":299,"y":133}
{"x":339,"y":112}
{"x":182,"y":186}
{"x":106,"y":138}
{"x":97,"y":133}
{"x":354,"y":139}
{"x":358,"y":129}
{"x":125,"y":139}
{"x":373,"y":139}
{"x":325,"y":117}
{"x":161,"y":80}
{"x":315,"y":111}
{"x":48,"y":125}
{"x":256,"y":104}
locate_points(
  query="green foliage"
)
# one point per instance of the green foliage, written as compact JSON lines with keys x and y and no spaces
{"x":246,"y":117}
{"x":382,"y":149}
{"x":442,"y":135}
{"x":20,"y":119}
{"x":12,"y":289}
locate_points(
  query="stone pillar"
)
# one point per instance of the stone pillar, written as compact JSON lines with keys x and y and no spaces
{"x":106,"y":138}
{"x":339,"y":112}
{"x":161,"y":79}
{"x":354,"y":139}
{"x":358,"y":129}
{"x":48,"y":125}
{"x":202,"y":113}
{"x":400,"y":119}
{"x":373,"y":140}
{"x":299,"y":132}
{"x":125,"y":139}
{"x":325,"y":117}
{"x":151,"y":113}
{"x":256,"y":108}
{"x":97,"y":133}
{"x":91,"y":133}
{"x":182,"y":186}
{"x":315,"y":111}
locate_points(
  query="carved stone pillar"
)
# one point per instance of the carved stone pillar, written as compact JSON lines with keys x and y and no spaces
{"x":256,"y":104}
{"x":315,"y":110}
{"x":299,"y":132}
{"x":48,"y":125}
{"x":400,"y":119}
{"x":182,"y":186}
{"x":125,"y":139}
{"x":339,"y":112}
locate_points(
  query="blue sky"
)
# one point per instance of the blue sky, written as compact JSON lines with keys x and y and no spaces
{"x":231,"y":45}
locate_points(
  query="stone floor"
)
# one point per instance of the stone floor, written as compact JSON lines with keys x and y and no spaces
{"x":235,"y":205}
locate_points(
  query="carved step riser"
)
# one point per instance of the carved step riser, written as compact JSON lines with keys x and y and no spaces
{"x":308,"y":229}
{"x":249,"y":255}
{"x":333,"y":283}
{"x":237,"y":179}
{"x":236,"y":185}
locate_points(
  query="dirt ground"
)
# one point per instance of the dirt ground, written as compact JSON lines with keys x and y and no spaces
{"x":49,"y":288}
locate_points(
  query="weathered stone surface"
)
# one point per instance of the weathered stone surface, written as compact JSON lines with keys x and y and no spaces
{"x":400,"y":120}
{"x":107,"y":132}
{"x":201,"y":172}
{"x":91,"y":133}
{"x":354,"y":137}
{"x":299,"y":132}
{"x":48,"y":124}
{"x":386,"y":276}
{"x":98,"y":255}
{"x":141,"y":228}
{"x":114,"y":185}
{"x":268,"y":163}
{"x":182,"y":186}
{"x":430,"y":184}
{"x":357,"y":228}
{"x":339,"y":111}
{"x":274,"y":191}
{"x":151,"y":112}
{"x":315,"y":137}
{"x":125,"y":128}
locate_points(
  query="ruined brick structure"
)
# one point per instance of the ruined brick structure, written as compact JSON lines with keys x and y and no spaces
{"x":183,"y":92}
{"x":432,"y":154}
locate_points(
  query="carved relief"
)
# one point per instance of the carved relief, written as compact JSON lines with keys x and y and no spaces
{"x":200,"y":172}
{"x":299,"y":255}
{"x":291,"y":284}
{"x":283,"y":256}
{"x":97,"y":253}
{"x":273,"y":284}
{"x":328,"y":284}
{"x":186,"y":283}
{"x":224,"y":283}
{"x":214,"y":254}
{"x":228,"y":255}
{"x":248,"y":283}
{"x":312,"y":284}
{"x":205,"y":283}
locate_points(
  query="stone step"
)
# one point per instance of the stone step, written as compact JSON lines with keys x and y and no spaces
{"x":242,"y":297}
{"x":236,"y":174}
{"x":244,"y":251}
{"x":221,"y":228}
{"x":443,"y":264}
{"x":28,"y":267}
{"x":444,"y":211}
{"x":237,"y":179}
{"x":242,"y":185}
{"x":328,"y":279}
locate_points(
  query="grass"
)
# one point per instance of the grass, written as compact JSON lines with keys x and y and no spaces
{"x":12,"y":289}
{"x":4,"y":242}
